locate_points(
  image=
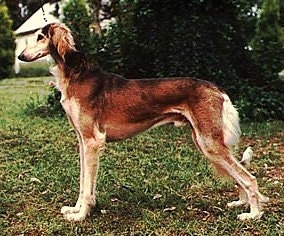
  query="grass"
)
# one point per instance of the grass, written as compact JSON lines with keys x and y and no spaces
{"x":34,"y":69}
{"x":153,"y":184}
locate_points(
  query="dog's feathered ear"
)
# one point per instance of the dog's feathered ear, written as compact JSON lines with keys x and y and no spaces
{"x":63,"y":41}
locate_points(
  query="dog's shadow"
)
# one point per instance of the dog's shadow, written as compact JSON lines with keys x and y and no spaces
{"x":135,"y":204}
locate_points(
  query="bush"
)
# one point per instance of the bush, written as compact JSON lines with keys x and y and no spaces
{"x":50,"y":106}
{"x":188,"y":38}
{"x":268,"y":42}
{"x":53,"y":102}
{"x":257,"y":104}
{"x":7,"y":43}
{"x":77,"y":17}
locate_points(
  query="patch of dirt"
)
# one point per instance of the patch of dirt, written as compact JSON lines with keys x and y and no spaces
{"x":271,"y":148}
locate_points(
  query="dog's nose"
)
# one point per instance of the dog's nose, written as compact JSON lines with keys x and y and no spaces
{"x":22,"y":57}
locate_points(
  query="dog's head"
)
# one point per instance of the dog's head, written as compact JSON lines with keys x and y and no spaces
{"x":54,"y":39}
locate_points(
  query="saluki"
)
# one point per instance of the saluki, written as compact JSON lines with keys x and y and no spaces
{"x":104,"y":107}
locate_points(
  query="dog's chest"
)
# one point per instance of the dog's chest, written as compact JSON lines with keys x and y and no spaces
{"x":61,"y":84}
{"x":72,"y":109}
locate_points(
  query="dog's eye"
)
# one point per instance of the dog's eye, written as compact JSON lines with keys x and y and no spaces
{"x":39,"y":37}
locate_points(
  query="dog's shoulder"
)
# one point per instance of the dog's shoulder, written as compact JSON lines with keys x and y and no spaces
{"x":110,"y":81}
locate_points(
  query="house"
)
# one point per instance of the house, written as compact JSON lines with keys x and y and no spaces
{"x":25,"y":34}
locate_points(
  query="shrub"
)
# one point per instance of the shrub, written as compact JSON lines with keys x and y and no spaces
{"x":77,"y":17}
{"x":188,"y":38}
{"x":7,"y":43}
{"x":53,"y":102}
{"x":257,"y":104}
{"x":268,"y":42}
{"x":50,"y":106}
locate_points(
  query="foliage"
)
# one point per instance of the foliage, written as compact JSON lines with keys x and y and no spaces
{"x":247,"y":15}
{"x":257,"y":104}
{"x":49,"y":107}
{"x":268,"y":42}
{"x":7,"y":43}
{"x":204,"y":41}
{"x":53,"y":102}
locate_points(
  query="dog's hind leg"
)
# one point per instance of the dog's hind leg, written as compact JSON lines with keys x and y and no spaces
{"x":222,"y":158}
{"x":248,"y":185}
{"x":215,"y":133}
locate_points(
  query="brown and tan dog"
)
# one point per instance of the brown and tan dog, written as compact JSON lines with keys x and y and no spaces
{"x":105,"y":107}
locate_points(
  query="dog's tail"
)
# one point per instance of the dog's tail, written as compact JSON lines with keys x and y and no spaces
{"x":232,"y":131}
{"x":247,"y":156}
{"x":231,"y":127}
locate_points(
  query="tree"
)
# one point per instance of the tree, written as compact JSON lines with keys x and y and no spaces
{"x":83,"y":18}
{"x":181,"y":38}
{"x":268,"y":42}
{"x":247,"y":15}
{"x":77,"y":17}
{"x":7,"y":43}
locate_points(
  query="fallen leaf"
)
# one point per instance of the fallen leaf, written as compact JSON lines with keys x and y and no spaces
{"x":114,"y":200}
{"x":103,"y":211}
{"x":35,"y":180}
{"x":157,"y":196}
{"x":169,"y":209}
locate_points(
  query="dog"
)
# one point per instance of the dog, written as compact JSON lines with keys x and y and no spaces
{"x":104,"y":107}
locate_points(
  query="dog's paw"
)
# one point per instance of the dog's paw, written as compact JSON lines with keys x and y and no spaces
{"x":249,"y":216}
{"x":75,"y":216}
{"x":236,"y":203}
{"x":69,"y":210}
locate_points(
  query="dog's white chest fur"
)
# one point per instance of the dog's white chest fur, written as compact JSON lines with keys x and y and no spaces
{"x":70,"y":105}
{"x":60,"y":85}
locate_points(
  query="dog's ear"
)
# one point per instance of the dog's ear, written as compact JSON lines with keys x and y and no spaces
{"x":62,"y":40}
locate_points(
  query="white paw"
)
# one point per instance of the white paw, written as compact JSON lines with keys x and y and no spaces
{"x":75,"y":216}
{"x":236,"y":203}
{"x":249,"y":216}
{"x":69,"y":210}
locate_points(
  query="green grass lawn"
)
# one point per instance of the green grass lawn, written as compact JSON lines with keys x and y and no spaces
{"x":153,"y":184}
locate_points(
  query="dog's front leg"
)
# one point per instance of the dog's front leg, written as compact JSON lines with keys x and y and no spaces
{"x":92,"y":147}
{"x":67,"y":209}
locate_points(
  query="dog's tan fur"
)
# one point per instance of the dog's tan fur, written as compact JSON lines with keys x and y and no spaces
{"x":106,"y":107}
